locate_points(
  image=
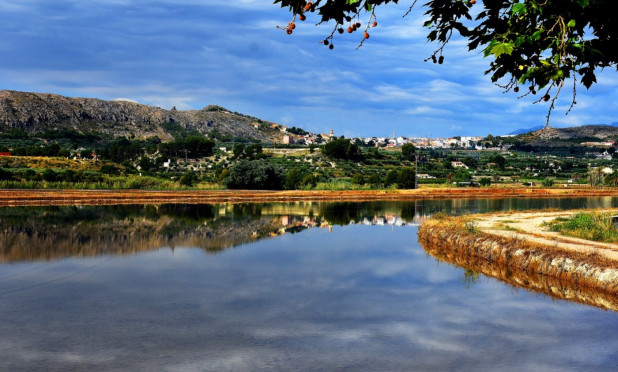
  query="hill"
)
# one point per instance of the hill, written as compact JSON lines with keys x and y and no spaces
{"x":600,"y":131}
{"x":585,"y":132}
{"x":40,"y":112}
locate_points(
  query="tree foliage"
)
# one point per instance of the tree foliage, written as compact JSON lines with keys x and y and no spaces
{"x":192,"y":147}
{"x":408,"y":152}
{"x":533,"y":43}
{"x":342,"y":148}
{"x":255,"y":175}
{"x":250,"y":152}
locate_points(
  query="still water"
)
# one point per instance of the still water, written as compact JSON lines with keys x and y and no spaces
{"x":281,"y":286}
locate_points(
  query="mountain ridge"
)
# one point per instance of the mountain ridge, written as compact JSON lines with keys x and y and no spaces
{"x":39,"y":112}
{"x":537,"y":128}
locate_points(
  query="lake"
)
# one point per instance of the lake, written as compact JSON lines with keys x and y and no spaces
{"x":277,"y":286}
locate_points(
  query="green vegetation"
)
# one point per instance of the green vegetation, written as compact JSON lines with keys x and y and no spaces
{"x":250,"y":152}
{"x":408,"y":152}
{"x":69,"y":159}
{"x":342,"y":148}
{"x":295,"y":130}
{"x":255,"y":175}
{"x":588,"y":225}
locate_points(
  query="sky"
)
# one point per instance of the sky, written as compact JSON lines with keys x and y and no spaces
{"x":193,"y":53}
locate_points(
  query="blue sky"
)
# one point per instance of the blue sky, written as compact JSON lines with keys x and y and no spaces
{"x":192,"y":53}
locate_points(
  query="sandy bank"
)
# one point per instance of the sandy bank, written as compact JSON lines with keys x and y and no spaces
{"x":517,"y":249}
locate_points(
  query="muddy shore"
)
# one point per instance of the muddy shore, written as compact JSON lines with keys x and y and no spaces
{"x":114,"y":197}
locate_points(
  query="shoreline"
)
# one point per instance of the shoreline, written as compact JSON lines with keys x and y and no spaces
{"x":43,"y":197}
{"x":516,"y":248}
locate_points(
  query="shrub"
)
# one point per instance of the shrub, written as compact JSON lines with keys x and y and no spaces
{"x":358,"y":179}
{"x":309,"y":180}
{"x":187,"y":179}
{"x":110,"y":169}
{"x":406,"y":178}
{"x":374,"y":179}
{"x":5,"y":175}
{"x":293,"y":179}
{"x":391,"y":177}
{"x":30,"y":174}
{"x":255,"y":175}
{"x":49,"y":175}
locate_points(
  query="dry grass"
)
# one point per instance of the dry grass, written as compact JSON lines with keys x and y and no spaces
{"x":40,"y":162}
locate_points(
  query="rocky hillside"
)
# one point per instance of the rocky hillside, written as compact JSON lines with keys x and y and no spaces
{"x":38,"y":112}
{"x":602,"y":132}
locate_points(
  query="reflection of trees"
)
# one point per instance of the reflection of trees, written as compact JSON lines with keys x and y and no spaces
{"x":33,"y":233}
{"x":408,"y":211}
{"x":341,"y":213}
{"x":188,"y":212}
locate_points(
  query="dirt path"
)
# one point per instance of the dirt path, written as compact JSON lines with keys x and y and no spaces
{"x":529,"y":226}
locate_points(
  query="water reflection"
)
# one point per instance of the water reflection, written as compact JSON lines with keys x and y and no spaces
{"x":364,"y":297}
{"x":44,"y":233}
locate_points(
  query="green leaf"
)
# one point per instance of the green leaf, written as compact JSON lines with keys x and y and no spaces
{"x":519,"y":8}
{"x":502,"y":48}
{"x":558,"y":75}
{"x":487,"y":50}
{"x":520,"y":40}
{"x":368,"y":6}
{"x":571,"y":23}
{"x":536,"y":35}
{"x":583,"y":3}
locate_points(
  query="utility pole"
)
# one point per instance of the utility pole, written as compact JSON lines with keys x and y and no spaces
{"x":415,"y":171}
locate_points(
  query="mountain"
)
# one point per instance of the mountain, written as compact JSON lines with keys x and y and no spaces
{"x":522,"y":131}
{"x":39,"y":112}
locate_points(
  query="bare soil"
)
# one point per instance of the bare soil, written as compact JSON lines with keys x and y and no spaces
{"x":530,"y":226}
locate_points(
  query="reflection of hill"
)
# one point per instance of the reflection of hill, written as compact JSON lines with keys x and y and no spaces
{"x":554,"y":287}
{"x":52,"y":233}
{"x":44,"y":233}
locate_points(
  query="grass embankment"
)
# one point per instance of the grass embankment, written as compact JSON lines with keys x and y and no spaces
{"x":587,"y":225}
{"x":577,"y":274}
